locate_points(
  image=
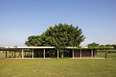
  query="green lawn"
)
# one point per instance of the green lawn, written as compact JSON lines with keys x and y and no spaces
{"x":58,"y":68}
{"x":2,"y":54}
{"x":109,"y":55}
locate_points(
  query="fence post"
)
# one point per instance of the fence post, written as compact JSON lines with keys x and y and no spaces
{"x":106,"y":56}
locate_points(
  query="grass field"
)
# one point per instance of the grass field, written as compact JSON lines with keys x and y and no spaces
{"x":109,"y":55}
{"x":58,"y":68}
{"x":65,"y":67}
{"x":2,"y":54}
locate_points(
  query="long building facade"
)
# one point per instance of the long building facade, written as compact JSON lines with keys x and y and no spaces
{"x":47,"y":52}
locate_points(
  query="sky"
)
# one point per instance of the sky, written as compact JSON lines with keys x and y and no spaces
{"x":20,"y":19}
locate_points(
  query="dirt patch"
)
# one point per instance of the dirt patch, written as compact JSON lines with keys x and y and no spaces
{"x":31,"y":58}
{"x":87,"y":58}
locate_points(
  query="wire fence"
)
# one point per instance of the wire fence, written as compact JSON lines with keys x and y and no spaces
{"x":2,"y":54}
{"x":106,"y":54}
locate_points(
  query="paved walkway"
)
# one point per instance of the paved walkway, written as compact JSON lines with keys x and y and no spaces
{"x":31,"y":58}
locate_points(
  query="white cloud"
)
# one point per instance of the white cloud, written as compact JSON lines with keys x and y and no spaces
{"x":86,"y":42}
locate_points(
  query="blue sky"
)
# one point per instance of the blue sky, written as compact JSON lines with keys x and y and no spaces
{"x":22,"y":18}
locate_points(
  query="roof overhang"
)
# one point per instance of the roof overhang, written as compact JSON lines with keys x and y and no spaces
{"x":48,"y":47}
{"x":33,"y":47}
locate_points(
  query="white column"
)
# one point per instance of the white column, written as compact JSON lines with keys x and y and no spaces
{"x":44,"y":53}
{"x":92,"y":53}
{"x":57,"y":53}
{"x":80,"y":53}
{"x":73,"y":53}
{"x":32,"y":53}
{"x":22,"y":54}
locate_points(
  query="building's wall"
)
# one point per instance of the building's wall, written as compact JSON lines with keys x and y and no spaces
{"x":48,"y":53}
{"x":68,"y":53}
{"x":38,"y":52}
{"x":76,"y":53}
{"x":86,"y":53}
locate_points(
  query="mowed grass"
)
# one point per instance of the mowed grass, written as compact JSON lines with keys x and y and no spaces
{"x":58,"y":68}
{"x":2,"y":54}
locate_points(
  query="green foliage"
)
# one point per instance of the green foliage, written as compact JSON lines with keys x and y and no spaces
{"x":93,"y":45}
{"x":101,"y":47}
{"x":106,"y":54}
{"x":60,"y":35}
{"x":108,"y":45}
{"x":114,"y":45}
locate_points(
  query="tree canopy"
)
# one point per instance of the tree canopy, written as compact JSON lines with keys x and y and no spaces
{"x":96,"y":45}
{"x":114,"y":45}
{"x":60,"y":35}
{"x":93,"y":45}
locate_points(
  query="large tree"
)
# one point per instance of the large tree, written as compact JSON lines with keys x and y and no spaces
{"x":60,"y":35}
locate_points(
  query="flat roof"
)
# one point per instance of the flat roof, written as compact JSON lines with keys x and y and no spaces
{"x":40,"y":47}
{"x":32,"y":47}
{"x":50,"y":47}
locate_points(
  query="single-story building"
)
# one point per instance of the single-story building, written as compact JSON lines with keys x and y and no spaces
{"x":47,"y":51}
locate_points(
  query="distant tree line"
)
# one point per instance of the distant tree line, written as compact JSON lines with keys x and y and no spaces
{"x":101,"y":46}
